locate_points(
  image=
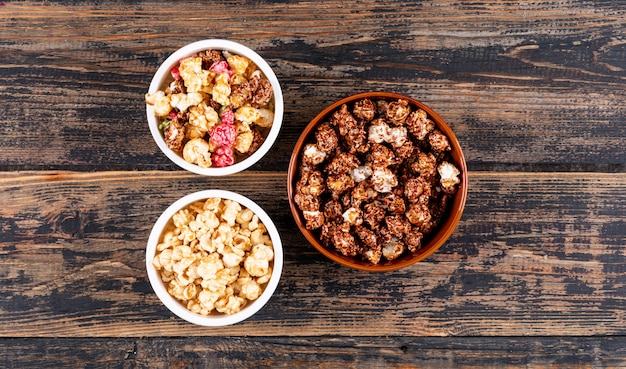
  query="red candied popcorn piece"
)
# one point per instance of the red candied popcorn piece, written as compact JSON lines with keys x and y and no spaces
{"x":223,"y":135}
{"x":175,"y":73}
{"x":228,"y":117}
{"x":223,"y":157}
{"x":221,"y":67}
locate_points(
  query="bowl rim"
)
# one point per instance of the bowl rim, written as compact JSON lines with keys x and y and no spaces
{"x":174,"y":305}
{"x":162,"y":74}
{"x":444,"y":230}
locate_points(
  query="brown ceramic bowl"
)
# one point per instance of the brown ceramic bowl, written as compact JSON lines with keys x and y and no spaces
{"x":431,"y":242}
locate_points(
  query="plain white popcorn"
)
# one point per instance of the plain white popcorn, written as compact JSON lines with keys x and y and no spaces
{"x":160,"y":102}
{"x":361,"y":173}
{"x":197,"y":151}
{"x":215,"y":256}
{"x":449,"y":176}
{"x":380,"y":132}
{"x":183,"y":101}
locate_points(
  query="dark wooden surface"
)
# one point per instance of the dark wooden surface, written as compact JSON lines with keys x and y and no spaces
{"x":534,"y":275}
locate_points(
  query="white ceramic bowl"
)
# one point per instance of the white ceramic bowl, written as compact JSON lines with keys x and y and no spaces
{"x":162,"y":76}
{"x":215,"y":319}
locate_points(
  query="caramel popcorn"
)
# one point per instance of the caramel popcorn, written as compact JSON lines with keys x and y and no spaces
{"x":375,"y":179}
{"x":206,"y":88}
{"x":215,"y":256}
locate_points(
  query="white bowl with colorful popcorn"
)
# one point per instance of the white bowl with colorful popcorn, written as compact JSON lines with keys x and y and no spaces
{"x":214,"y":107}
{"x":214,"y":258}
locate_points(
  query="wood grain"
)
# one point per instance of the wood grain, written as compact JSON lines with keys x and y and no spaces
{"x":532,"y":277}
{"x":523,"y":85}
{"x":325,"y":352}
{"x":540,"y":256}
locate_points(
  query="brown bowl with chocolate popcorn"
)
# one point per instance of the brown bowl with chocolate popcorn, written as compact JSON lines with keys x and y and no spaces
{"x":377,"y":181}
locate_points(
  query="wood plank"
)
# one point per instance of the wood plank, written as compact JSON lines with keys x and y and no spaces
{"x":318,"y":352}
{"x":523,"y":85}
{"x":539,"y":254}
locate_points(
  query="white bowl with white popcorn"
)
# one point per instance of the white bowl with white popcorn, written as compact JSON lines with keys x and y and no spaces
{"x":214,"y":107}
{"x":214,"y":258}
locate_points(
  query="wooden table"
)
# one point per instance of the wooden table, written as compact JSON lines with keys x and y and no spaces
{"x":534,"y":275}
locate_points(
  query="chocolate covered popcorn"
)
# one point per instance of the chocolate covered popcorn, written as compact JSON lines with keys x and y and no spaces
{"x":375,"y":179}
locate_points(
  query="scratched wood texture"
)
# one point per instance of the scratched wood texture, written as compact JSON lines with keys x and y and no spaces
{"x":73,"y":255}
{"x":526,"y":86}
{"x":318,"y":352}
{"x":534,"y":275}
